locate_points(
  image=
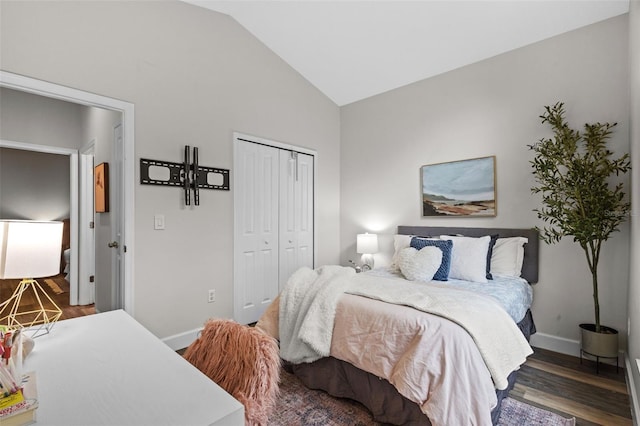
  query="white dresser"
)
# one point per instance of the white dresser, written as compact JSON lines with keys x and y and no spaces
{"x":107,"y":369}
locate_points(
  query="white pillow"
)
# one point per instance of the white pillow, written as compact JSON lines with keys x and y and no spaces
{"x":419,"y":265}
{"x":399,"y":242}
{"x":507,"y":256}
{"x":469,"y":258}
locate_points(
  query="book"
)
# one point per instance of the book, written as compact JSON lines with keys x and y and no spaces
{"x":20,"y":410}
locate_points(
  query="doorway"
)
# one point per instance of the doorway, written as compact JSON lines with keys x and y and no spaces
{"x":126,"y":160}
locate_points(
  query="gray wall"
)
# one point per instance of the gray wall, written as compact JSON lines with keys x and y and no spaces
{"x":195,"y":77}
{"x":42,"y":121}
{"x":34,"y":185}
{"x":492,"y":108}
{"x":634,"y":283}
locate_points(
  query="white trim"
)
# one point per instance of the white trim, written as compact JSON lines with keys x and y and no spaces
{"x":633,"y":396}
{"x":74,"y":233}
{"x":565,"y":346}
{"x":56,"y":91}
{"x":37,"y":148}
{"x":275,"y":144}
{"x":51,"y":90}
{"x":556,"y":344}
{"x":182,"y":340}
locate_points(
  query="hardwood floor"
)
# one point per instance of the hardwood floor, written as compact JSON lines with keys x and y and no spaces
{"x":559,"y":383}
{"x":57,"y":288}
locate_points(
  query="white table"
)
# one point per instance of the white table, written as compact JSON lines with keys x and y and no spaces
{"x":107,"y":369}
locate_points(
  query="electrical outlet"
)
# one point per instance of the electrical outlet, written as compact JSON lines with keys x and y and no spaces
{"x":212,"y":296}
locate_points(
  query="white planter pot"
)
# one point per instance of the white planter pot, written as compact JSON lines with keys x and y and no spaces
{"x":604,"y":344}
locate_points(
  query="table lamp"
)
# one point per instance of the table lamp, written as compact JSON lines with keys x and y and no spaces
{"x":367,"y":245}
{"x":28,"y":250}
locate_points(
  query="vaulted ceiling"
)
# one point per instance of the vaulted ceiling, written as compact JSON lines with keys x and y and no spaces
{"x":351,"y":49}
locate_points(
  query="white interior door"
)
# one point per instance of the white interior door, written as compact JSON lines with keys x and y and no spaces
{"x":86,"y":228}
{"x":117,"y":227}
{"x":110,"y":237}
{"x":296,"y":213}
{"x":256,"y":229}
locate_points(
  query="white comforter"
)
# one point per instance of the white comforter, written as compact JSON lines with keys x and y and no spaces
{"x":429,"y":359}
{"x":499,"y":340}
{"x":307,"y":311}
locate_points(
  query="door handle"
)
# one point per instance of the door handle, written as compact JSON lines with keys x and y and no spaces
{"x":113,"y":244}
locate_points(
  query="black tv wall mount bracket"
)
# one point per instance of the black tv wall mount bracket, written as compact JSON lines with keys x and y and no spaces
{"x":188,"y":175}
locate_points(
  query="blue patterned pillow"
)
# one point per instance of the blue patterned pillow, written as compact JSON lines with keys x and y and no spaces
{"x":445,"y":245}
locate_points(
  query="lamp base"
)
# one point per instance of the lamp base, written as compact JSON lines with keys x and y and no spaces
{"x":367,"y":262}
{"x":12,"y":316}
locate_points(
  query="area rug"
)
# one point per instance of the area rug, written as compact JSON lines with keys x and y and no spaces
{"x":299,"y":406}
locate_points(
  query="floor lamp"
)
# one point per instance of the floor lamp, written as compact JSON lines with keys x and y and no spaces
{"x":29,"y":249}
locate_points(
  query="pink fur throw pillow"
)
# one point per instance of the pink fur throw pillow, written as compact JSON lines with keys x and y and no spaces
{"x":243,"y":361}
{"x":269,"y":322}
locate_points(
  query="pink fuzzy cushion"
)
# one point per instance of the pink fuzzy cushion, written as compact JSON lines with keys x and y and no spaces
{"x":243,"y":361}
{"x":269,"y":321}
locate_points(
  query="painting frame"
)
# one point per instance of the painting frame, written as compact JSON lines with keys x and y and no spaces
{"x":101,"y":187}
{"x":462,"y":188}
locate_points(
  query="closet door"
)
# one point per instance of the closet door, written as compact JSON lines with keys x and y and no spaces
{"x":296,"y":213}
{"x":256,"y":230}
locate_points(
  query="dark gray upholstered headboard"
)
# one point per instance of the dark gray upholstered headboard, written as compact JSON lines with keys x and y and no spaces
{"x":530,"y":264}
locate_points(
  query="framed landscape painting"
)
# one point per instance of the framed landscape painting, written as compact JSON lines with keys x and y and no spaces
{"x":459,"y":188}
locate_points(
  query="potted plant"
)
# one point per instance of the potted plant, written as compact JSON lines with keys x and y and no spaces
{"x":573,"y":171}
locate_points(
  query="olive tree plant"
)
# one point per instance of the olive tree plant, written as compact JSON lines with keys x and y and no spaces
{"x":573,"y":171}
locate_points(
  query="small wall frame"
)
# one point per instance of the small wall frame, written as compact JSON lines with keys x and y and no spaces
{"x":101,"y":185}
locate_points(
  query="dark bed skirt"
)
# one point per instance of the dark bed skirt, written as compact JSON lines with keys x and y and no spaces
{"x":343,"y":380}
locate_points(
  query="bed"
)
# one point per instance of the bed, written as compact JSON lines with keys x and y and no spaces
{"x":443,"y":352}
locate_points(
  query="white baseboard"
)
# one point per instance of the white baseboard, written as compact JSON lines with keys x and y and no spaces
{"x":565,"y":346}
{"x":556,"y":344}
{"x":633,"y":396}
{"x":182,"y":340}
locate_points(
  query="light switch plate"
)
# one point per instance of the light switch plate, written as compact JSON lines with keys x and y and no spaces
{"x":158,"y":221}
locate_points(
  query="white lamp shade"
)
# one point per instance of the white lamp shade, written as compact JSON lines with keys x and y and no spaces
{"x":30,"y":249}
{"x":367,"y":243}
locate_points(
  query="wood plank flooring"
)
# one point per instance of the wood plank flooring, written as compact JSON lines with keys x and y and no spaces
{"x":559,"y":383}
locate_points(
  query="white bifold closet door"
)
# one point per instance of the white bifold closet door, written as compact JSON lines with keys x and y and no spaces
{"x":296,"y":213}
{"x":273,"y":205}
